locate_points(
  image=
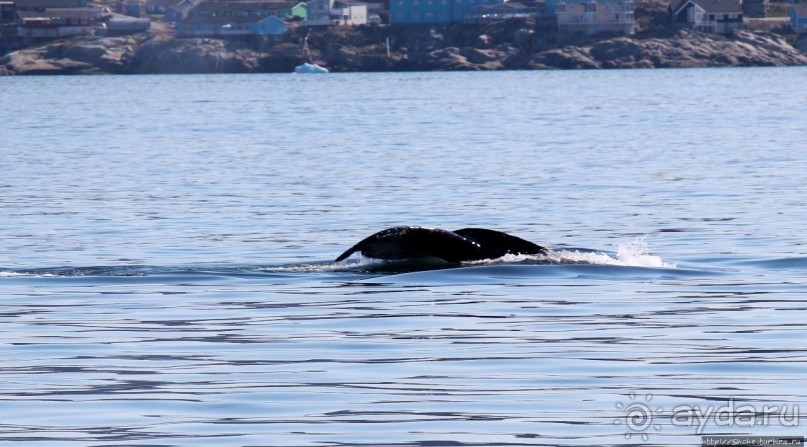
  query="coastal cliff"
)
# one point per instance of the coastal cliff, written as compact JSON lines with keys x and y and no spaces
{"x":516,"y":44}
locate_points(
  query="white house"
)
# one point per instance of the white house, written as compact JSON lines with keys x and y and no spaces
{"x":336,"y":12}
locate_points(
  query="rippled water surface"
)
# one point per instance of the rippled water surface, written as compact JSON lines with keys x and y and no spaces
{"x":166,"y":247}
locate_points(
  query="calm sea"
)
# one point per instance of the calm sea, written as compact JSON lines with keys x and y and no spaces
{"x":166,"y":247}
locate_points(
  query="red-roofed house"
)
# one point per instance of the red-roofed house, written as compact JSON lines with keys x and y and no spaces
{"x":56,"y":18}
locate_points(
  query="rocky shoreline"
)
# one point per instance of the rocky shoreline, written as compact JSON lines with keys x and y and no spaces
{"x":516,"y":44}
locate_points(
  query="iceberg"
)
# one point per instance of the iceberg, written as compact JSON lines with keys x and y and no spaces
{"x":310,"y":68}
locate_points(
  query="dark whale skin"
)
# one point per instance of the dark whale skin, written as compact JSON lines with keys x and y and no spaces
{"x":467,"y":244}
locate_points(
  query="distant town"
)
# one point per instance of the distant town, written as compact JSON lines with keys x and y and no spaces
{"x":221,"y":18}
{"x":279,"y":36}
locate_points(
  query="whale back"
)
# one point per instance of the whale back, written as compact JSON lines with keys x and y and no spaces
{"x":414,"y":243}
{"x":495,"y":244}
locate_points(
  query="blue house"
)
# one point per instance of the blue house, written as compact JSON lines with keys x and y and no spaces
{"x":433,"y":11}
{"x":177,"y":13}
{"x":798,"y":17}
{"x":174,"y":14}
{"x":172,"y":10}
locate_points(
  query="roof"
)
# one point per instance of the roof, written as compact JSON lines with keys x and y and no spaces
{"x":62,"y":13}
{"x":26,"y":4}
{"x":162,"y":3}
{"x":713,"y":6}
{"x":529,"y":3}
{"x":801,"y":9}
{"x":514,"y":5}
{"x":229,"y":20}
{"x":218,"y":5}
{"x":599,"y":2}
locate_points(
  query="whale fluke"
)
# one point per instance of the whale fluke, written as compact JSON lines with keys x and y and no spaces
{"x":467,"y":244}
{"x":496,"y":244}
{"x":413,"y":243}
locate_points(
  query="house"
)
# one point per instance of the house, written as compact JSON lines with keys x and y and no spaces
{"x":230,"y":26}
{"x":336,"y":12}
{"x":224,"y":8}
{"x":177,"y":13}
{"x":57,"y":22}
{"x":798,"y":17}
{"x":236,"y":18}
{"x":595,"y":16}
{"x":507,"y":10}
{"x":56,"y":18}
{"x":711,"y":16}
{"x":160,"y":6}
{"x":434,"y":11}
{"x":32,"y":5}
{"x":349,"y":12}
{"x":172,"y":10}
{"x":377,"y":12}
{"x":8,"y":12}
{"x":754,"y":8}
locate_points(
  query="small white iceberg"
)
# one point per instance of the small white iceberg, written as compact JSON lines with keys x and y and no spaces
{"x":310,"y":68}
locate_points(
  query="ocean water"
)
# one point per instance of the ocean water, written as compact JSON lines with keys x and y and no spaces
{"x":167,"y":246}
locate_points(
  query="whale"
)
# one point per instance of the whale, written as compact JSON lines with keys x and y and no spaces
{"x":467,"y":244}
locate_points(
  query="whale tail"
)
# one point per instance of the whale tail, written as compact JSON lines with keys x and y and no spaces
{"x":467,"y":244}
{"x":414,"y":243}
{"x":496,"y":244}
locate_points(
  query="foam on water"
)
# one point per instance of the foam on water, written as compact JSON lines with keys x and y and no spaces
{"x":628,"y":254}
{"x":318,"y":267}
{"x":633,"y":254}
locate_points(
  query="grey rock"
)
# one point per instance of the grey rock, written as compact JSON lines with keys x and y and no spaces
{"x":568,"y":57}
